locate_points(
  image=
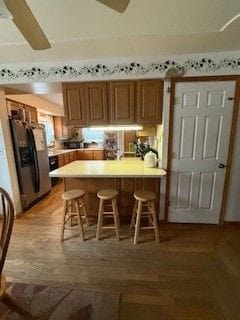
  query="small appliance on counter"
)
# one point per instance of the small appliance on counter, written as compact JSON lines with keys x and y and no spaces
{"x":150,"y":160}
{"x":73,"y":144}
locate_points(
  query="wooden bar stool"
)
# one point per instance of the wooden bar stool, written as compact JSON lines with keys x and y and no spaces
{"x":74,"y":206}
{"x":109,"y":195}
{"x":144,"y":199}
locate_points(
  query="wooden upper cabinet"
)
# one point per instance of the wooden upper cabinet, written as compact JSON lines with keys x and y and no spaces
{"x":75,"y":104}
{"x":149,"y":101}
{"x":113,"y":102}
{"x":122,"y":102}
{"x":97,"y":102}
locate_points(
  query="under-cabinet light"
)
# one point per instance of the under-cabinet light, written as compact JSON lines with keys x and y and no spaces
{"x":117,"y":128}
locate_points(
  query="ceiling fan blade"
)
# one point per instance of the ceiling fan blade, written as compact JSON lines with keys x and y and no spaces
{"x":27,"y":24}
{"x":117,"y":5}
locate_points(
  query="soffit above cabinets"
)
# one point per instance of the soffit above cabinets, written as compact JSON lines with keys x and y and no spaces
{"x":87,"y":29}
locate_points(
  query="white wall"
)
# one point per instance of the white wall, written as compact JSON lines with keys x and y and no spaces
{"x":8,"y":175}
{"x":233,"y":202}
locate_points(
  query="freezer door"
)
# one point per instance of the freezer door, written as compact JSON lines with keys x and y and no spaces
{"x":43,"y":161}
{"x":24,"y":163}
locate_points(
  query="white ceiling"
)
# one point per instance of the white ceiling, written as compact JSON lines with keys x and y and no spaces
{"x":56,"y":98}
{"x":50,"y":91}
{"x":87,"y":29}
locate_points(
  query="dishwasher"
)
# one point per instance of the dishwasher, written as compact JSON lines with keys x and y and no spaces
{"x":53,"y":164}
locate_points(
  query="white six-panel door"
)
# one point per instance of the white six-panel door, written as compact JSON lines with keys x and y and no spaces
{"x":201,"y":133}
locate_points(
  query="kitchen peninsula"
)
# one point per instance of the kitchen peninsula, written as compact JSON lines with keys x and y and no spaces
{"x":126,"y":176}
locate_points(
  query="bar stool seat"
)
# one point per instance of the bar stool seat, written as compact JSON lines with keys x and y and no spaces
{"x":144,"y":195}
{"x":74,"y":206}
{"x":144,"y":199}
{"x":109,"y":195}
{"x":73,"y":194}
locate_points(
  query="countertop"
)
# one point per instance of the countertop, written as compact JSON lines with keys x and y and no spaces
{"x":62,"y":151}
{"x":127,"y":168}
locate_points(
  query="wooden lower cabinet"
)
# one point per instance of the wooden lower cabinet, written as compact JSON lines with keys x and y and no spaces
{"x":85,"y":154}
{"x":61,"y":160}
{"x":71,"y":156}
{"x":66,"y":158}
{"x":125,"y":186}
{"x":75,"y":155}
{"x":98,"y":155}
{"x":90,"y":155}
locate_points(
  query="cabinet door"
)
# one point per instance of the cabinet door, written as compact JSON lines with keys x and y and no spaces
{"x":75,"y":107}
{"x":71,"y":156}
{"x":57,"y":125}
{"x":61,"y":160}
{"x":122,"y":102}
{"x":66,"y":158}
{"x":98,"y":155}
{"x":85,"y":155}
{"x":31,"y":114}
{"x":13,"y":106}
{"x":75,"y":155}
{"x":149,"y":100}
{"x":97,"y":102}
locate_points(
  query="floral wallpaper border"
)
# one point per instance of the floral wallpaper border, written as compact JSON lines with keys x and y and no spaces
{"x":67,"y":72}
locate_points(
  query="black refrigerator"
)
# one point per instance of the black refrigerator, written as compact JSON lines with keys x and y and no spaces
{"x":32,"y":164}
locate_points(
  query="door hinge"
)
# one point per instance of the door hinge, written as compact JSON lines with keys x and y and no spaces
{"x":169,"y":203}
{"x":169,"y":89}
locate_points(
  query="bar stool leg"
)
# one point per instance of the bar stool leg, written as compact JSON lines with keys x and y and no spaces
{"x":155,"y":224}
{"x":80,"y":225}
{"x":83,"y":206}
{"x":72,"y":209}
{"x":116,"y":218}
{"x":133,"y":215}
{"x":119,"y":224}
{"x":150,"y":219}
{"x":100,"y":219}
{"x":63,"y":220}
{"x":138,"y":220}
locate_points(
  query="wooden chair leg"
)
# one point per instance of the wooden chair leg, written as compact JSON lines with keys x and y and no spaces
{"x":63,"y":220}
{"x":80,"y":225}
{"x":138,"y":220}
{"x":11,"y":304}
{"x":133,"y":215}
{"x":100,"y":219}
{"x":116,"y":218}
{"x":155,"y":224}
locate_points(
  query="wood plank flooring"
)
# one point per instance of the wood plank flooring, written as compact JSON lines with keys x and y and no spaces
{"x":192,"y":274}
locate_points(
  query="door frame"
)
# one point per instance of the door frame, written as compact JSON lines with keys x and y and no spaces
{"x":173,"y":83}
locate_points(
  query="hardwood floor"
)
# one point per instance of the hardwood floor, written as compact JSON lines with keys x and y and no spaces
{"x":193,"y":273}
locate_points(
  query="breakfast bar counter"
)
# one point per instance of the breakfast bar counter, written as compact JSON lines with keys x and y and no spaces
{"x":129,"y":168}
{"x":126,"y":176}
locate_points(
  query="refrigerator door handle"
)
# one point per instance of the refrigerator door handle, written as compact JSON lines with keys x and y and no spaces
{"x":35,"y":160}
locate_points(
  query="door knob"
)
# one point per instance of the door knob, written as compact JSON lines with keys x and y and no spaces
{"x":221,"y":166}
